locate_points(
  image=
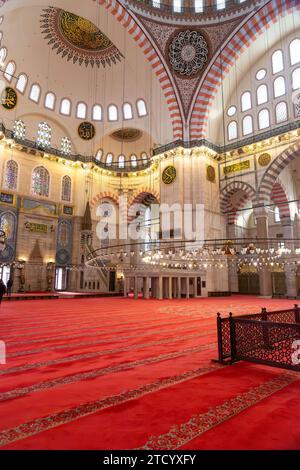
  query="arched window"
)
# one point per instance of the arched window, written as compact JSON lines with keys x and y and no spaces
{"x":247,"y":125}
{"x":50,"y":100}
{"x":65,"y":146}
{"x":109,"y":159}
{"x":3,"y":54}
{"x":121,"y":161}
{"x":127,"y":111}
{"x":277,"y":61}
{"x":221,"y":4}
{"x":35,"y":92}
{"x":141,"y":108}
{"x":144,"y":158}
{"x":133,"y":160}
{"x":44,"y":134}
{"x":112,"y":113}
{"x":264,"y":119}
{"x":81,"y":110}
{"x":65,"y":107}
{"x":296,"y":79}
{"x":198,"y":6}
{"x":40,"y":181}
{"x":177,"y":5}
{"x":9,"y":71}
{"x":295,"y":51}
{"x":11,"y":175}
{"x":297,"y":105}
{"x":19,"y":129}
{"x":97,"y":113}
{"x":260,"y":74}
{"x":246,"y":101}
{"x":66,"y":188}
{"x":281,"y":112}
{"x":279,"y":87}
{"x":99,"y":155}
{"x":21,"y":83}
{"x":276,"y":214}
{"x":232,"y":130}
{"x":262,"y":94}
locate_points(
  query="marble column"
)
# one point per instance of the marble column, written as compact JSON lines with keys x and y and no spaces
{"x":160,"y":288}
{"x":146,"y":287}
{"x":126,"y":279}
{"x":136,"y":289}
{"x":265,"y":277}
{"x":187,"y":284}
{"x":170,"y":287}
{"x":179,"y":288}
{"x":195,"y":287}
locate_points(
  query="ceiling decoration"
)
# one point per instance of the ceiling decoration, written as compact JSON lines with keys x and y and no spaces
{"x":77,"y":39}
{"x":128,"y":134}
{"x":188,"y":53}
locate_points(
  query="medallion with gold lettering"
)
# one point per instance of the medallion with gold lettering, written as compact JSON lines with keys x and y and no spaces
{"x":86,"y":130}
{"x":9,"y":98}
{"x":264,"y":159}
{"x":169,"y":174}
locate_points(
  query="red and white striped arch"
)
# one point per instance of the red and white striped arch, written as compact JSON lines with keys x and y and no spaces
{"x":280,"y":199}
{"x":271,"y":175}
{"x":242,"y":39}
{"x":129,"y":23}
{"x":230,"y":208}
{"x":104,"y":196}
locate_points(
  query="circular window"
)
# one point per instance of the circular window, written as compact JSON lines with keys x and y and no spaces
{"x":231,"y":111}
{"x":260,"y":75}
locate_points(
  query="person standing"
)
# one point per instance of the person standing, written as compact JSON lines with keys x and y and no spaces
{"x":9,"y":286}
{"x":2,"y":290}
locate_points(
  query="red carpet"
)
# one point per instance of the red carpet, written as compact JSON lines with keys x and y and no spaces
{"x":125,"y":374}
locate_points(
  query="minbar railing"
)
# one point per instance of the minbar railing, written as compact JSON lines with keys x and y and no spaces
{"x":270,"y":338}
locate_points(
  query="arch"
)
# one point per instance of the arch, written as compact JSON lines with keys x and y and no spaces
{"x":280,"y":199}
{"x":273,"y":171}
{"x":220,"y":66}
{"x":105,"y":195}
{"x":144,"y":197}
{"x":226,"y":205}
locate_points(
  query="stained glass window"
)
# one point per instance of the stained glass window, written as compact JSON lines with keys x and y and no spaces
{"x":65,"y":146}
{"x":44,"y":134}
{"x":66,"y":189}
{"x":7,"y":225}
{"x":19,"y":129}
{"x":40,"y":181}
{"x":11,"y":175}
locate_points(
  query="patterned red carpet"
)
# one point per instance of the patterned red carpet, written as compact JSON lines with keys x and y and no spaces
{"x":123,"y":374}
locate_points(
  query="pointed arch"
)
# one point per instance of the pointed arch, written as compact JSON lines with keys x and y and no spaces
{"x":273,"y":171}
{"x":231,"y":209}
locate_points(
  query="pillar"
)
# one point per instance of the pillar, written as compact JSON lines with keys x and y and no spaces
{"x":126,"y":279}
{"x":265,"y":277}
{"x":146,"y":287}
{"x":179,"y":288}
{"x":195,"y":287}
{"x":288,"y":232}
{"x":160,"y":288}
{"x":136,"y":290}
{"x":187,"y":283}
{"x":170,"y":288}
